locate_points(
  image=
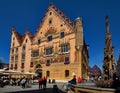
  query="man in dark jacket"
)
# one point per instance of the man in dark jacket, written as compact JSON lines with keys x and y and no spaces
{"x":73,"y":81}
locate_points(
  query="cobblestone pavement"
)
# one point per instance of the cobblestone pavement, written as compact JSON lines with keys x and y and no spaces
{"x":33,"y":89}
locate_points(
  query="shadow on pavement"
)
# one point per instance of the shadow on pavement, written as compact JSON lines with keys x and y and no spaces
{"x":47,"y":90}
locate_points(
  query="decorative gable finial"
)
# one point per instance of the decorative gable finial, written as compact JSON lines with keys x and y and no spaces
{"x":27,"y":31}
{"x":51,"y":4}
{"x":107,"y":24}
{"x":13,"y":29}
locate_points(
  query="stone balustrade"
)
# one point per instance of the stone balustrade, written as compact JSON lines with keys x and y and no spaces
{"x":91,"y":89}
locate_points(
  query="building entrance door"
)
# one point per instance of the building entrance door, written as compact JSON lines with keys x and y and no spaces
{"x":38,"y":70}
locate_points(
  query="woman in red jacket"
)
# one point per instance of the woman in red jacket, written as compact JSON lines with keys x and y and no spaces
{"x":79,"y":80}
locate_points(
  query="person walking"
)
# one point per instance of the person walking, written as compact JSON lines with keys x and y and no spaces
{"x":44,"y":82}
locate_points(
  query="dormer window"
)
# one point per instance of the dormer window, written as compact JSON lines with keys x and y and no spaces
{"x":50,"y":13}
{"x":50,"y":21}
{"x":23,"y":48}
{"x":61,"y":34}
{"x":39,"y":41}
{"x":49,"y":38}
{"x":26,"y":40}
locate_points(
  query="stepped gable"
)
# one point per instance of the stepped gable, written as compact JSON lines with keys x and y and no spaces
{"x":95,"y":67}
{"x":65,"y":18}
{"x":27,"y":32}
{"x":60,"y":13}
{"x":96,"y":70}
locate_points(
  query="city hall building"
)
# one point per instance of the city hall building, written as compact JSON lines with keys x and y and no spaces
{"x":57,"y":50}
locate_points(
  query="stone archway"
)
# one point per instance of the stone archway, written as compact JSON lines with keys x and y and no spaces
{"x":38,"y":70}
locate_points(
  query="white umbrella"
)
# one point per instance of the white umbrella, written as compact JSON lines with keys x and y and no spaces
{"x":28,"y":73}
{"x":12,"y":71}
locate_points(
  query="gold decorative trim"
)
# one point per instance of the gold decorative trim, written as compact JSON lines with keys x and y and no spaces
{"x":51,"y":30}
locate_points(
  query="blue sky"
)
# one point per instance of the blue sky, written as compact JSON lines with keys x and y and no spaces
{"x":23,"y":14}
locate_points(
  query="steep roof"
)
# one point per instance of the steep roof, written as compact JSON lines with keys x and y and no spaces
{"x":95,"y":70}
{"x":63,"y":16}
{"x":18,"y":35}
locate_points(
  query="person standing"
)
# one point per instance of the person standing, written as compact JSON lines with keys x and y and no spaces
{"x":79,"y":80}
{"x":44,"y":82}
{"x":40,"y":81}
{"x":23,"y":82}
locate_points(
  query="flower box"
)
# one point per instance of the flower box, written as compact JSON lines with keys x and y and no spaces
{"x":22,"y":66}
{"x":11,"y":67}
{"x":15,"y":67}
{"x":47,"y":64}
{"x":66,"y":62}
{"x":31,"y":65}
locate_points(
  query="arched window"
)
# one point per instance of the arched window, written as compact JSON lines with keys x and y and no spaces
{"x":66,"y":73}
{"x":50,"y":13}
{"x":50,"y":21}
{"x":47,"y":73}
{"x":39,"y":41}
